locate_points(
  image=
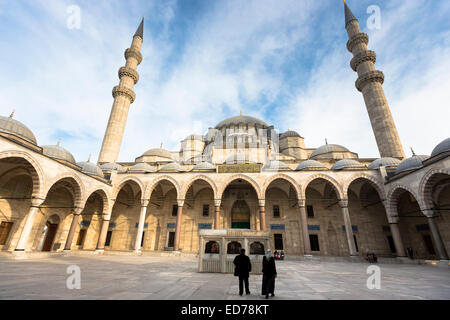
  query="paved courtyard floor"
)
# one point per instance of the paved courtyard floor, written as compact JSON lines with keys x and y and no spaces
{"x":175,"y":278}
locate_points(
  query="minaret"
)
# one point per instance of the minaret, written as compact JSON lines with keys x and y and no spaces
{"x":370,"y":83}
{"x":124,"y":96}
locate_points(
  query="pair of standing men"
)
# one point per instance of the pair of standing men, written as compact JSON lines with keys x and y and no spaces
{"x":243,"y":267}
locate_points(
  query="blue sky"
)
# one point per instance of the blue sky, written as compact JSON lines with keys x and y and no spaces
{"x":283,"y":61}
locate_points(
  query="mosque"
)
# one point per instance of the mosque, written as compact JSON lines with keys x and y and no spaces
{"x":239,"y":175}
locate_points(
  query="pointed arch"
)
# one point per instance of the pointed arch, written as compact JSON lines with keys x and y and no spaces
{"x":76,"y":183}
{"x":248,"y":179}
{"x":286,"y":178}
{"x":103,"y":194}
{"x":426,"y":187}
{"x":151,"y":186}
{"x":373,"y":182}
{"x":336,"y":186}
{"x":392,"y":198}
{"x":204,"y":178}
{"x":126,"y":180}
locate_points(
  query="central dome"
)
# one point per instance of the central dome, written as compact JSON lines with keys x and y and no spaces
{"x":241,"y":120}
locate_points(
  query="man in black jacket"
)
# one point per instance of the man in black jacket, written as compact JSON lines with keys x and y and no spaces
{"x":243,"y":267}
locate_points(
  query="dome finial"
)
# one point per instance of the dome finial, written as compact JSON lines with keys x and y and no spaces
{"x":326,"y":141}
{"x":89,"y":159}
{"x":59,"y":142}
{"x":161,"y":145}
{"x":413,"y":153}
{"x":241,"y":113}
{"x":12,"y":113}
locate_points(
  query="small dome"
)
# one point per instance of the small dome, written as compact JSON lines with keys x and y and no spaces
{"x":289,"y":134}
{"x":327,"y":149}
{"x":415,"y":162}
{"x":90,"y":169}
{"x":11,"y":126}
{"x":442,"y":147}
{"x":142,"y":167}
{"x":275,"y":164}
{"x":172,"y":167}
{"x":311,"y":164}
{"x":112,"y":166}
{"x":57,"y":152}
{"x":194,"y":137}
{"x":203,"y":166}
{"x":241,"y":119}
{"x":384,"y":162}
{"x":348,"y":164}
{"x":158,"y":152}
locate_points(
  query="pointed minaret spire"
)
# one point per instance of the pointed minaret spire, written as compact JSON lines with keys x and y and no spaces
{"x":12,"y":113}
{"x":370,"y":84}
{"x":140,"y":30}
{"x":349,"y":16}
{"x":124,"y":96}
{"x":413,"y":153}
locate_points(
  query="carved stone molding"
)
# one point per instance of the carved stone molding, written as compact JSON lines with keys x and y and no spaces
{"x":372,"y":76}
{"x":131,"y":53}
{"x":125,"y":71}
{"x":363,"y":57}
{"x":357,"y":38}
{"x":122,"y":91}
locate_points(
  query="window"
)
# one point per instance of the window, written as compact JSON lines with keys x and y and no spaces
{"x":391,"y":244}
{"x":278,"y":239}
{"x":356,"y":243}
{"x":310,"y":211}
{"x":314,"y":241}
{"x":257,"y":248}
{"x":171,"y":242}
{"x":81,"y":237}
{"x":174,"y":210}
{"x":142,"y":240}
{"x":276,"y":211}
{"x":212,"y":247}
{"x":108,"y":239}
{"x":206,"y":210}
{"x":5,"y":229}
{"x":234,"y":247}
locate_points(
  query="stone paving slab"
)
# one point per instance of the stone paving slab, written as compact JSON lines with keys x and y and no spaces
{"x":106,"y":277}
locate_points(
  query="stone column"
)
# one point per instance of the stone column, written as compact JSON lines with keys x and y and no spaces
{"x":103,"y":233}
{"x":178,"y":226}
{"x":140,"y":231}
{"x":223,"y":256}
{"x":437,"y":238}
{"x":217,"y":214}
{"x":304,"y":224}
{"x":395,"y":231}
{"x":348,"y":227}
{"x":262,"y":214}
{"x":21,"y":244}
{"x":73,"y":228}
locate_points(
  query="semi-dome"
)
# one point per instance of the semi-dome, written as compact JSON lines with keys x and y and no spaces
{"x":58,"y":152}
{"x":14,"y":127}
{"x":241,"y":119}
{"x":204,"y":166}
{"x":384,"y":162}
{"x":158,"y":152}
{"x":415,"y":162}
{"x":327,"y":149}
{"x":110,"y":166}
{"x":142,"y":167}
{"x":290,"y":133}
{"x":90,"y":169}
{"x":311,"y":165}
{"x":172,"y":167}
{"x":442,"y":147}
{"x":348,"y":164}
{"x":275,"y":164}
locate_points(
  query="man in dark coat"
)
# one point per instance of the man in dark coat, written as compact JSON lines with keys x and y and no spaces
{"x":269,"y":274}
{"x":243,"y":267}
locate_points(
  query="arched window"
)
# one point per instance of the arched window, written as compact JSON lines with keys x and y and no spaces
{"x":257,"y":248}
{"x":234,"y":247}
{"x":212,"y":247}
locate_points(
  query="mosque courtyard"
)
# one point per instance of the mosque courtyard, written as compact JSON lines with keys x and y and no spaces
{"x":105,"y":277}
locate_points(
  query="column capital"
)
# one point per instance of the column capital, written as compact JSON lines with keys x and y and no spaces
{"x":429,"y":213}
{"x":217,"y":202}
{"x":144,"y":202}
{"x":262,"y":202}
{"x":393,"y":220}
{"x":301,"y":203}
{"x":77,"y":211}
{"x":343,"y":203}
{"x":37,"y":202}
{"x":180,"y":202}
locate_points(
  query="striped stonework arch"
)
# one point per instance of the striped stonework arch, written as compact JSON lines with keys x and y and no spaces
{"x":103,"y":194}
{"x":37,"y":174}
{"x":426,"y":187}
{"x":152,"y":185}
{"x":123,"y":182}
{"x":196,"y":178}
{"x":286,"y":178}
{"x":252,"y":182}
{"x":77,"y":184}
{"x":392,"y":198}
{"x":336,"y":185}
{"x":373,"y":182}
